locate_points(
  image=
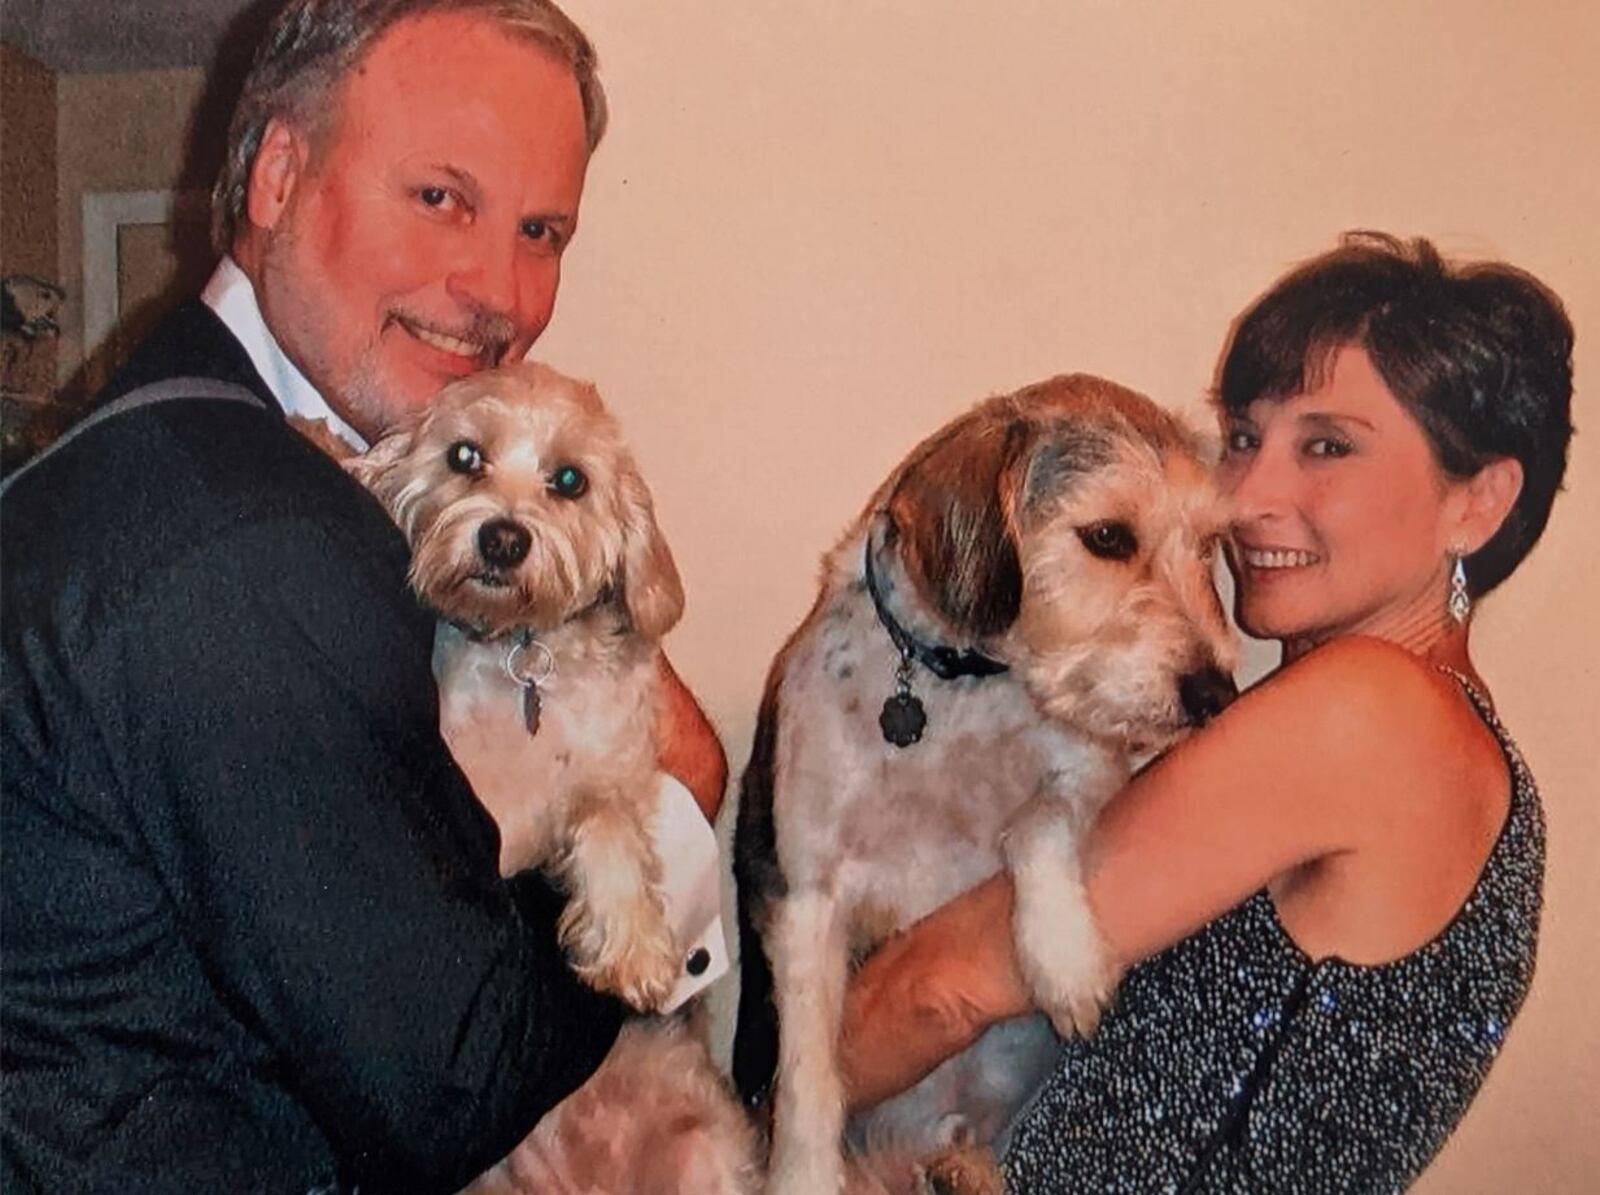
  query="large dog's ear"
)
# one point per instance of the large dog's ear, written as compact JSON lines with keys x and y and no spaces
{"x":648,"y":581}
{"x":954,"y":512}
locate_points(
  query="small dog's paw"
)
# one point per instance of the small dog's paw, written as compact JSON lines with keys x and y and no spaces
{"x":967,"y":1170}
{"x":634,"y":958}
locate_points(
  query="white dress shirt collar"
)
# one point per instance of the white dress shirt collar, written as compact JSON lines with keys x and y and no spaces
{"x":231,"y":295}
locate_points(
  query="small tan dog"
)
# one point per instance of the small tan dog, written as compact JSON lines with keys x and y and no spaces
{"x":1024,"y":608}
{"x":534,"y":538}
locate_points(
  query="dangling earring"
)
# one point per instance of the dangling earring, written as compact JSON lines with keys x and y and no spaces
{"x":1460,"y":604}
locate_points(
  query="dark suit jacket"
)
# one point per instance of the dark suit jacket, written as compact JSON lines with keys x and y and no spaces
{"x":254,"y":935}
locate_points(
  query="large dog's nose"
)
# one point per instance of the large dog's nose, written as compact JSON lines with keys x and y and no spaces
{"x":1206,"y":693}
{"x":504,"y":543}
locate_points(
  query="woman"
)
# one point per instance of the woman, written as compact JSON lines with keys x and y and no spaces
{"x":1328,"y":899}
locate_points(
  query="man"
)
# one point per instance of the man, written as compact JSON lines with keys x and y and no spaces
{"x":255,"y":938}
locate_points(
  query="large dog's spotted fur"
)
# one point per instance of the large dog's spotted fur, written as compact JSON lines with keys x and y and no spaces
{"x":1065,"y":531}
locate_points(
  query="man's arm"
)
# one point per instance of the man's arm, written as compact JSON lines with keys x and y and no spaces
{"x":328,"y":860}
{"x":687,"y":746}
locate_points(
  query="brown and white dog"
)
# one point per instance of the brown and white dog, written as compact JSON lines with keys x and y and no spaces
{"x":1025,"y":607}
{"x":534,"y":538}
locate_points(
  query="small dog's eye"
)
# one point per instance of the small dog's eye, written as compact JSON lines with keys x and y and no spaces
{"x":569,"y":481}
{"x":1109,"y":540}
{"x":464,"y":457}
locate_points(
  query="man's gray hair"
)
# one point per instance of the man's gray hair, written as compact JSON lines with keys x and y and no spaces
{"x":312,"y":45}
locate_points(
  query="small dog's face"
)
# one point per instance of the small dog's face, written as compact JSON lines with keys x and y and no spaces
{"x":522,"y":506}
{"x":1071,"y":528}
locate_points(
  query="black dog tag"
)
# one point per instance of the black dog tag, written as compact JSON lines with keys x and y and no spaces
{"x":530,"y":708}
{"x":902,"y":719}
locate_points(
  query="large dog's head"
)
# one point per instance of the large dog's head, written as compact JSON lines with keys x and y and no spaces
{"x":522,"y":506}
{"x":1069,"y":530}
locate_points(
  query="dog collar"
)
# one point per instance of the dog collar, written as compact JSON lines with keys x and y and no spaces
{"x":903,"y":717}
{"x":528,"y":662}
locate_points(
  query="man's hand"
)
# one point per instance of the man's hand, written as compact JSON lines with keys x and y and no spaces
{"x":687,"y":747}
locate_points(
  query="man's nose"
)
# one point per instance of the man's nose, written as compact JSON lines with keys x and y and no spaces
{"x":487,"y":279}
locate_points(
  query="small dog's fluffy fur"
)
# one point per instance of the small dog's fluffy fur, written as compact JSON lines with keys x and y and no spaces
{"x":534,"y":538}
{"x":1066,"y":532}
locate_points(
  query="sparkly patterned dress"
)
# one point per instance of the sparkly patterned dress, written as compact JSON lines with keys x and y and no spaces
{"x":1234,"y":1063}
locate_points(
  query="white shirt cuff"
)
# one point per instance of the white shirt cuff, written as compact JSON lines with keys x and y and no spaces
{"x":691,"y":885}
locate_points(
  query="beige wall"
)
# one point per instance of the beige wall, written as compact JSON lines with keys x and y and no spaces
{"x":117,"y":132}
{"x":28,"y":191}
{"x":27,"y":165}
{"x":818,"y":230}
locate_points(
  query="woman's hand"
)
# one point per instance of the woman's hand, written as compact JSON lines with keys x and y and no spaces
{"x":930,"y":992}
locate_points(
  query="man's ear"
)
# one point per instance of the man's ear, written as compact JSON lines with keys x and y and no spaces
{"x":279,"y":162}
{"x":1486,"y":499}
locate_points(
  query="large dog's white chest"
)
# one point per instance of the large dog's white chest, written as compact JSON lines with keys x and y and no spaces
{"x":892,"y":833}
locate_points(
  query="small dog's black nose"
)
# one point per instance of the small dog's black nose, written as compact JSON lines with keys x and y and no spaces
{"x":1206,"y":693}
{"x":504,"y":543}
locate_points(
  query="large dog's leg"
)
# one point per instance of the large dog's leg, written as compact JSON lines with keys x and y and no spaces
{"x":1060,"y":949}
{"x":757,"y":882}
{"x":615,"y":927}
{"x":810,"y":966}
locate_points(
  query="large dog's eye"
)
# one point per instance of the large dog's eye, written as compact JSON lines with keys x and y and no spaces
{"x":464,"y":457}
{"x":1109,"y":540}
{"x":569,"y":482}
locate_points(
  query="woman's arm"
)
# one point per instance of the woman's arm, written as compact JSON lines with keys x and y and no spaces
{"x":689,"y":749}
{"x":1308,"y":766}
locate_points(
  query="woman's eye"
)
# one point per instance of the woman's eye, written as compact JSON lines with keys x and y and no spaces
{"x":1109,"y":540}
{"x":1240,"y":440}
{"x":569,"y":482}
{"x":1329,"y":446}
{"x":464,"y":457}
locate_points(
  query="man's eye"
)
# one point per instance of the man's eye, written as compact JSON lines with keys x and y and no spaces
{"x":439,"y":198}
{"x":569,"y":482}
{"x":464,"y":457}
{"x":1109,"y":540}
{"x":543,"y":234}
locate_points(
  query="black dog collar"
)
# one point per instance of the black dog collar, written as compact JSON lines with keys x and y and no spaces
{"x":903,"y":718}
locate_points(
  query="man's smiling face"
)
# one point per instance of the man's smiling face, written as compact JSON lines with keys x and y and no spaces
{"x":416,"y":236}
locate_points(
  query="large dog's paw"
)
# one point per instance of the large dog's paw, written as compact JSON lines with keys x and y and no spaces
{"x":1064,"y":967}
{"x":625,"y":948}
{"x":961,"y":1170}
{"x":1063,"y":956}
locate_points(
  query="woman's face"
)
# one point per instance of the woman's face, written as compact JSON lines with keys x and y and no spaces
{"x":1340,"y":520}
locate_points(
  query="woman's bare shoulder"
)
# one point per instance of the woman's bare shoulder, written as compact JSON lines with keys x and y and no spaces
{"x":1359,"y":707}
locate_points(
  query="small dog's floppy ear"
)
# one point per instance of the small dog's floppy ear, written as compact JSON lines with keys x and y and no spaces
{"x":954,"y":512}
{"x":649,"y":584}
{"x":370,"y":467}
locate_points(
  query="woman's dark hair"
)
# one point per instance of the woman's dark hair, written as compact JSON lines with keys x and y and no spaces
{"x":1480,"y":353}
